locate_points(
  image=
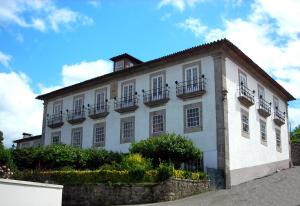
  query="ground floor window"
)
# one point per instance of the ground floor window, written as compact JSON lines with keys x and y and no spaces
{"x":263,"y":130}
{"x":192,"y":117}
{"x":127,"y":129}
{"x":99,"y":135}
{"x":278,"y":139}
{"x":245,"y":123}
{"x":157,"y":122}
{"x":55,"y":137}
{"x":77,"y":137}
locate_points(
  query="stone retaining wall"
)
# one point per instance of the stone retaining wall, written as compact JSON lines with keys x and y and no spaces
{"x":104,"y":194}
{"x":296,"y":154}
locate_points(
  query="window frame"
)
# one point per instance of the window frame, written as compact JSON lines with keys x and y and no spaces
{"x":78,"y":97}
{"x":151,"y":126}
{"x":242,"y":74}
{"x":102,"y":104}
{"x":81,"y":136}
{"x":58,"y":134}
{"x":188,"y":107}
{"x":56,"y":104}
{"x":100,"y":143}
{"x":245,"y":133}
{"x":261,"y":89}
{"x":278,"y":137}
{"x":124,"y":121}
{"x":263,"y":139}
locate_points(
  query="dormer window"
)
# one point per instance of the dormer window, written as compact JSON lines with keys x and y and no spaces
{"x":124,"y":61}
{"x":119,"y":65}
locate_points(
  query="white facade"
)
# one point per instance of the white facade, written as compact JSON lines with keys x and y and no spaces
{"x":16,"y":193}
{"x":205,"y":139}
{"x":240,"y":153}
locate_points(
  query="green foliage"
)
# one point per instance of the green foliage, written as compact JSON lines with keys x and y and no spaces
{"x":6,"y":158}
{"x":1,"y":139}
{"x":167,"y":147}
{"x":165,"y":171}
{"x":133,"y":161}
{"x":61,"y":156}
{"x":295,"y":134}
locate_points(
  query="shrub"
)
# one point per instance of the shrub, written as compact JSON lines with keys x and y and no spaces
{"x":133,"y":161}
{"x":62,"y":156}
{"x":167,"y":147}
{"x":165,"y":171}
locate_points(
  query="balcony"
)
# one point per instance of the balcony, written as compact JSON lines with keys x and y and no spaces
{"x":264,"y":108}
{"x":279,"y":117}
{"x":98,"y":111}
{"x":190,"y":89}
{"x":156,"y":97}
{"x":76,"y":116}
{"x":126,"y":104}
{"x":246,"y":96}
{"x":55,"y":120}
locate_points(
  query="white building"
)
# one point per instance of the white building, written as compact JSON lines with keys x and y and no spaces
{"x":213,"y":93}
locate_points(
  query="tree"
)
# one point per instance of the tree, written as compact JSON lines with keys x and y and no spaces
{"x":296,"y":133}
{"x":1,"y":138}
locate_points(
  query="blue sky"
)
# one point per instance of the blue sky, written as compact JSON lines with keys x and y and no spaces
{"x":45,"y":45}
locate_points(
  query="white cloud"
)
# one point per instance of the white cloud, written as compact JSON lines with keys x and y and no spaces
{"x":19,"y":111}
{"x":194,"y":25}
{"x":75,"y":73}
{"x":39,"y":14}
{"x":5,"y":59}
{"x":270,"y":35}
{"x":178,"y":4}
{"x":94,"y":3}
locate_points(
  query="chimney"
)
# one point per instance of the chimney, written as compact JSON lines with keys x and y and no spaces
{"x":26,"y":135}
{"x":124,"y":61}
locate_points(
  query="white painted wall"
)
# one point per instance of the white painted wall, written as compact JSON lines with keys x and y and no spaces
{"x":17,"y":193}
{"x":205,"y":140}
{"x":244,"y":152}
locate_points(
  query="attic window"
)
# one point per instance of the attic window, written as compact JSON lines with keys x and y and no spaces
{"x":119,"y":65}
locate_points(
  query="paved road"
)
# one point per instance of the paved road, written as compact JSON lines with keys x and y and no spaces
{"x":282,"y":189}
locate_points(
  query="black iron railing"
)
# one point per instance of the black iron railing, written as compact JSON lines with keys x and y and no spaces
{"x":246,"y":92}
{"x":264,"y":105}
{"x":156,"y":95}
{"x":191,"y":86}
{"x":279,"y":115}
{"x":76,"y":114}
{"x":54,"y":119}
{"x":98,"y":109}
{"x":126,"y":102}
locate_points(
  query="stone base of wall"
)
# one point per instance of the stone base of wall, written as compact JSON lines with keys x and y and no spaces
{"x":104,"y":194}
{"x":296,"y":153}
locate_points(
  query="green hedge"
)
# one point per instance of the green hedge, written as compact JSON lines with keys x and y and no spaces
{"x":63,"y":156}
{"x":101,"y":176}
{"x":167,"y":148}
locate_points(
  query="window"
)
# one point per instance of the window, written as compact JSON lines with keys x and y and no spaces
{"x":99,"y":135}
{"x":261,"y":92}
{"x":78,"y":105}
{"x":278,"y":139}
{"x":127,"y":129}
{"x":57,"y":108}
{"x":157,"y":122}
{"x":276,"y":103}
{"x":157,"y":84}
{"x":245,"y":123}
{"x":192,"y":75}
{"x":77,"y":137}
{"x":55,"y":137}
{"x":263,"y":130}
{"x":193,"y":117}
{"x":128,"y":93}
{"x":242,"y":79}
{"x":100,"y":100}
{"x":119,"y":65}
